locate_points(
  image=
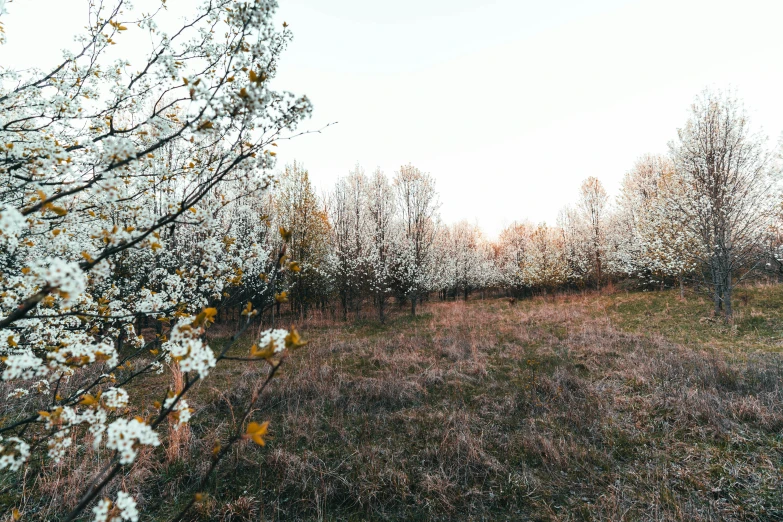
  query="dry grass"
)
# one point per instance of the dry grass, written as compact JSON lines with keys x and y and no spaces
{"x":573,"y":408}
{"x":548,"y":410}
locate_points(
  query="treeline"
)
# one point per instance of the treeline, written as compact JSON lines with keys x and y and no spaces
{"x":706,"y":214}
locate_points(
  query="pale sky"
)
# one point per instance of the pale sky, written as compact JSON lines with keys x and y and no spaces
{"x":509,"y":104}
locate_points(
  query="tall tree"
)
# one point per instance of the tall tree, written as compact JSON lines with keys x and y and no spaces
{"x":726,"y":188}
{"x":350,"y":227}
{"x":382,"y":212}
{"x":594,"y":212}
{"x":545,"y":266}
{"x":299,"y":212}
{"x":651,"y":238}
{"x":512,"y":246}
{"x":417,"y":203}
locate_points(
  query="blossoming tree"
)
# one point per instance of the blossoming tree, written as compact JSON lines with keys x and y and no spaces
{"x":115,"y":179}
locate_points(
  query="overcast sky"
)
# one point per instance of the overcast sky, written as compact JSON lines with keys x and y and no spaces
{"x":509,"y":104}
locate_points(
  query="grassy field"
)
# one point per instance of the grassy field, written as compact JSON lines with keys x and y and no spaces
{"x":630,"y":406}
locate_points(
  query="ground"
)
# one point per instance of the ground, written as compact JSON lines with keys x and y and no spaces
{"x":629,"y":406}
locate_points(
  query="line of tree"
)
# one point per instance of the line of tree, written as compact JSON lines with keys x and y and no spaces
{"x":707,"y":214}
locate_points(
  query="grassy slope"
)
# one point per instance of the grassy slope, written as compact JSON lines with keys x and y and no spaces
{"x":619,"y":407}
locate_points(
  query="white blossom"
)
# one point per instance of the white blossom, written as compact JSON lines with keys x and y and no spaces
{"x":126,"y":435}
{"x":14,"y":452}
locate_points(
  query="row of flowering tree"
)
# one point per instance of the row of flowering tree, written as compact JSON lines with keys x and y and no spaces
{"x":706,"y":214}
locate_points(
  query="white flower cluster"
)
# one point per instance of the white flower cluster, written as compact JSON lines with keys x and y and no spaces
{"x":115,"y":398}
{"x":274,"y":338}
{"x":181,"y":410}
{"x":125,"y":435}
{"x":125,"y":509}
{"x":118,"y":149}
{"x":11,"y":223}
{"x":18,"y":393}
{"x":185,"y":346}
{"x":13,"y":453}
{"x":23,"y":365}
{"x":66,"y":277}
{"x":64,"y":418}
{"x":58,"y":444}
{"x":81,"y":354}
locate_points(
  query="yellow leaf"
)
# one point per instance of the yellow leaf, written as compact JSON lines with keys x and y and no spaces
{"x":293,"y":266}
{"x":88,"y":400}
{"x":249,"y":309}
{"x":205,"y":317}
{"x":26,"y":270}
{"x":293,"y":340}
{"x":285,"y":234}
{"x":282,"y":297}
{"x":11,"y":341}
{"x":256,"y":432}
{"x":264,"y":353}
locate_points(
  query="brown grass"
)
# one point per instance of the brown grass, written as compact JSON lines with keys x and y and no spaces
{"x":543,"y":410}
{"x":557,"y":409}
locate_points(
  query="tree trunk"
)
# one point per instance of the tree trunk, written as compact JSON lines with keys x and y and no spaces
{"x":381,"y":315}
{"x":413,"y":306}
{"x":682,"y":288}
{"x":718,"y":299}
{"x":598,"y":266}
{"x":158,"y":333}
{"x":727,"y":298}
{"x":466,"y":293}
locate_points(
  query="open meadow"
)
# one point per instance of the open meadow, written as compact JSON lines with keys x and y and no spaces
{"x":630,"y":406}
